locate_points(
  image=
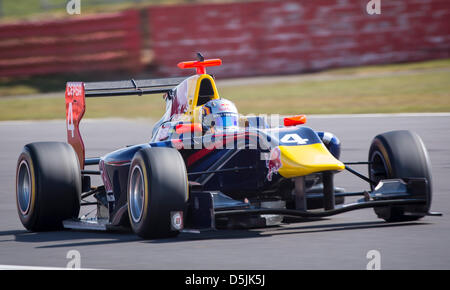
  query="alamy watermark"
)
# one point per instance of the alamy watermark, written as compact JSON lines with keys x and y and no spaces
{"x":373,"y":7}
{"x":73,"y":7}
{"x":262,"y":132}
{"x":74,"y":257}
{"x":374,"y":257}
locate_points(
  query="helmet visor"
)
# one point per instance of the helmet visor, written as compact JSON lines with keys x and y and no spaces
{"x":225,"y":120}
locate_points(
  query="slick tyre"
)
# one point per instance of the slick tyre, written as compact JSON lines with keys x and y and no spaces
{"x":48,"y":185}
{"x":157,"y":188}
{"x":400,"y":154}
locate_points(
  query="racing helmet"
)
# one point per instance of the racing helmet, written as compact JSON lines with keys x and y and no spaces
{"x":219,"y":115}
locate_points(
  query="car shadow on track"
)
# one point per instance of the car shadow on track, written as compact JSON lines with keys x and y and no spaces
{"x":57,"y":239}
{"x":75,"y":238}
{"x":12,"y":232}
{"x":293,"y":229}
{"x":285,"y":229}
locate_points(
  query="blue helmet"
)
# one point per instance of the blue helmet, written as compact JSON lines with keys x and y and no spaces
{"x":219,"y":115}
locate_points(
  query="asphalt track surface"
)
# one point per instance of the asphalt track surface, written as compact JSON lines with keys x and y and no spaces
{"x":339,"y":242}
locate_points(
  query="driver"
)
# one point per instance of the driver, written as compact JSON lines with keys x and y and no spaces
{"x":219,"y":115}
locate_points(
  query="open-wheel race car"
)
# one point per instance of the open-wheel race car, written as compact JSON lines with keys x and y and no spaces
{"x":208,"y":167}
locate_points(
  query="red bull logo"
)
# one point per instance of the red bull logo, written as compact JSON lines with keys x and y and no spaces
{"x":274,"y":162}
{"x":224,"y":107}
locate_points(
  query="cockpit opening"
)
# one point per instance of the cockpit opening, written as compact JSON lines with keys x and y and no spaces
{"x":206,"y":92}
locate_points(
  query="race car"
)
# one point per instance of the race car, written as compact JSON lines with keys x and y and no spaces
{"x":208,"y":167}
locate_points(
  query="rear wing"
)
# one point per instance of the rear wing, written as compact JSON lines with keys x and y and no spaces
{"x":76,"y":92}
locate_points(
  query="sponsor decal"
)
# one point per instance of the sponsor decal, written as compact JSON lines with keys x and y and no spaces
{"x":176,"y":220}
{"x":274,"y":162}
{"x":293,"y":139}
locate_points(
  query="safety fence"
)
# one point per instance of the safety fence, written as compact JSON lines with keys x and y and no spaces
{"x":252,"y":38}
{"x":283,"y":37}
{"x":80,"y":44}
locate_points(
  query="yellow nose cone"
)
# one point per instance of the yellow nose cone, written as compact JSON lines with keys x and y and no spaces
{"x":306,"y":159}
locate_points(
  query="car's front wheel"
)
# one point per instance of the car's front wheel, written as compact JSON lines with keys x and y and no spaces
{"x":157,"y":192}
{"x":400,"y":154}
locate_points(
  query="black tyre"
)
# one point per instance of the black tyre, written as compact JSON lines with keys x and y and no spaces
{"x":48,"y":185}
{"x":400,"y":154}
{"x":157,"y":187}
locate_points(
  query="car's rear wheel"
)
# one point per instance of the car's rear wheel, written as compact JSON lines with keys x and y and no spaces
{"x":157,"y":189}
{"x":400,"y":154}
{"x":48,"y":185}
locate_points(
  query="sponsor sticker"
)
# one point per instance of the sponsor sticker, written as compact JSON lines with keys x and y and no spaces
{"x":274,"y":162}
{"x":176,"y":220}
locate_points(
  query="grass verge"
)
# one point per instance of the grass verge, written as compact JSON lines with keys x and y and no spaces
{"x":427,"y":89}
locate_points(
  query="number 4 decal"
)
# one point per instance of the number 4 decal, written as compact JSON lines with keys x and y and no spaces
{"x":70,"y":125}
{"x":293,"y":138}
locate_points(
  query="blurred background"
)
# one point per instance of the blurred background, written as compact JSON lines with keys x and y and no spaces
{"x":287,"y":57}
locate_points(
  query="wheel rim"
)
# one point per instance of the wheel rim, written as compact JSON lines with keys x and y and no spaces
{"x":24,"y":188}
{"x":136,"y":194}
{"x":378,"y":168}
